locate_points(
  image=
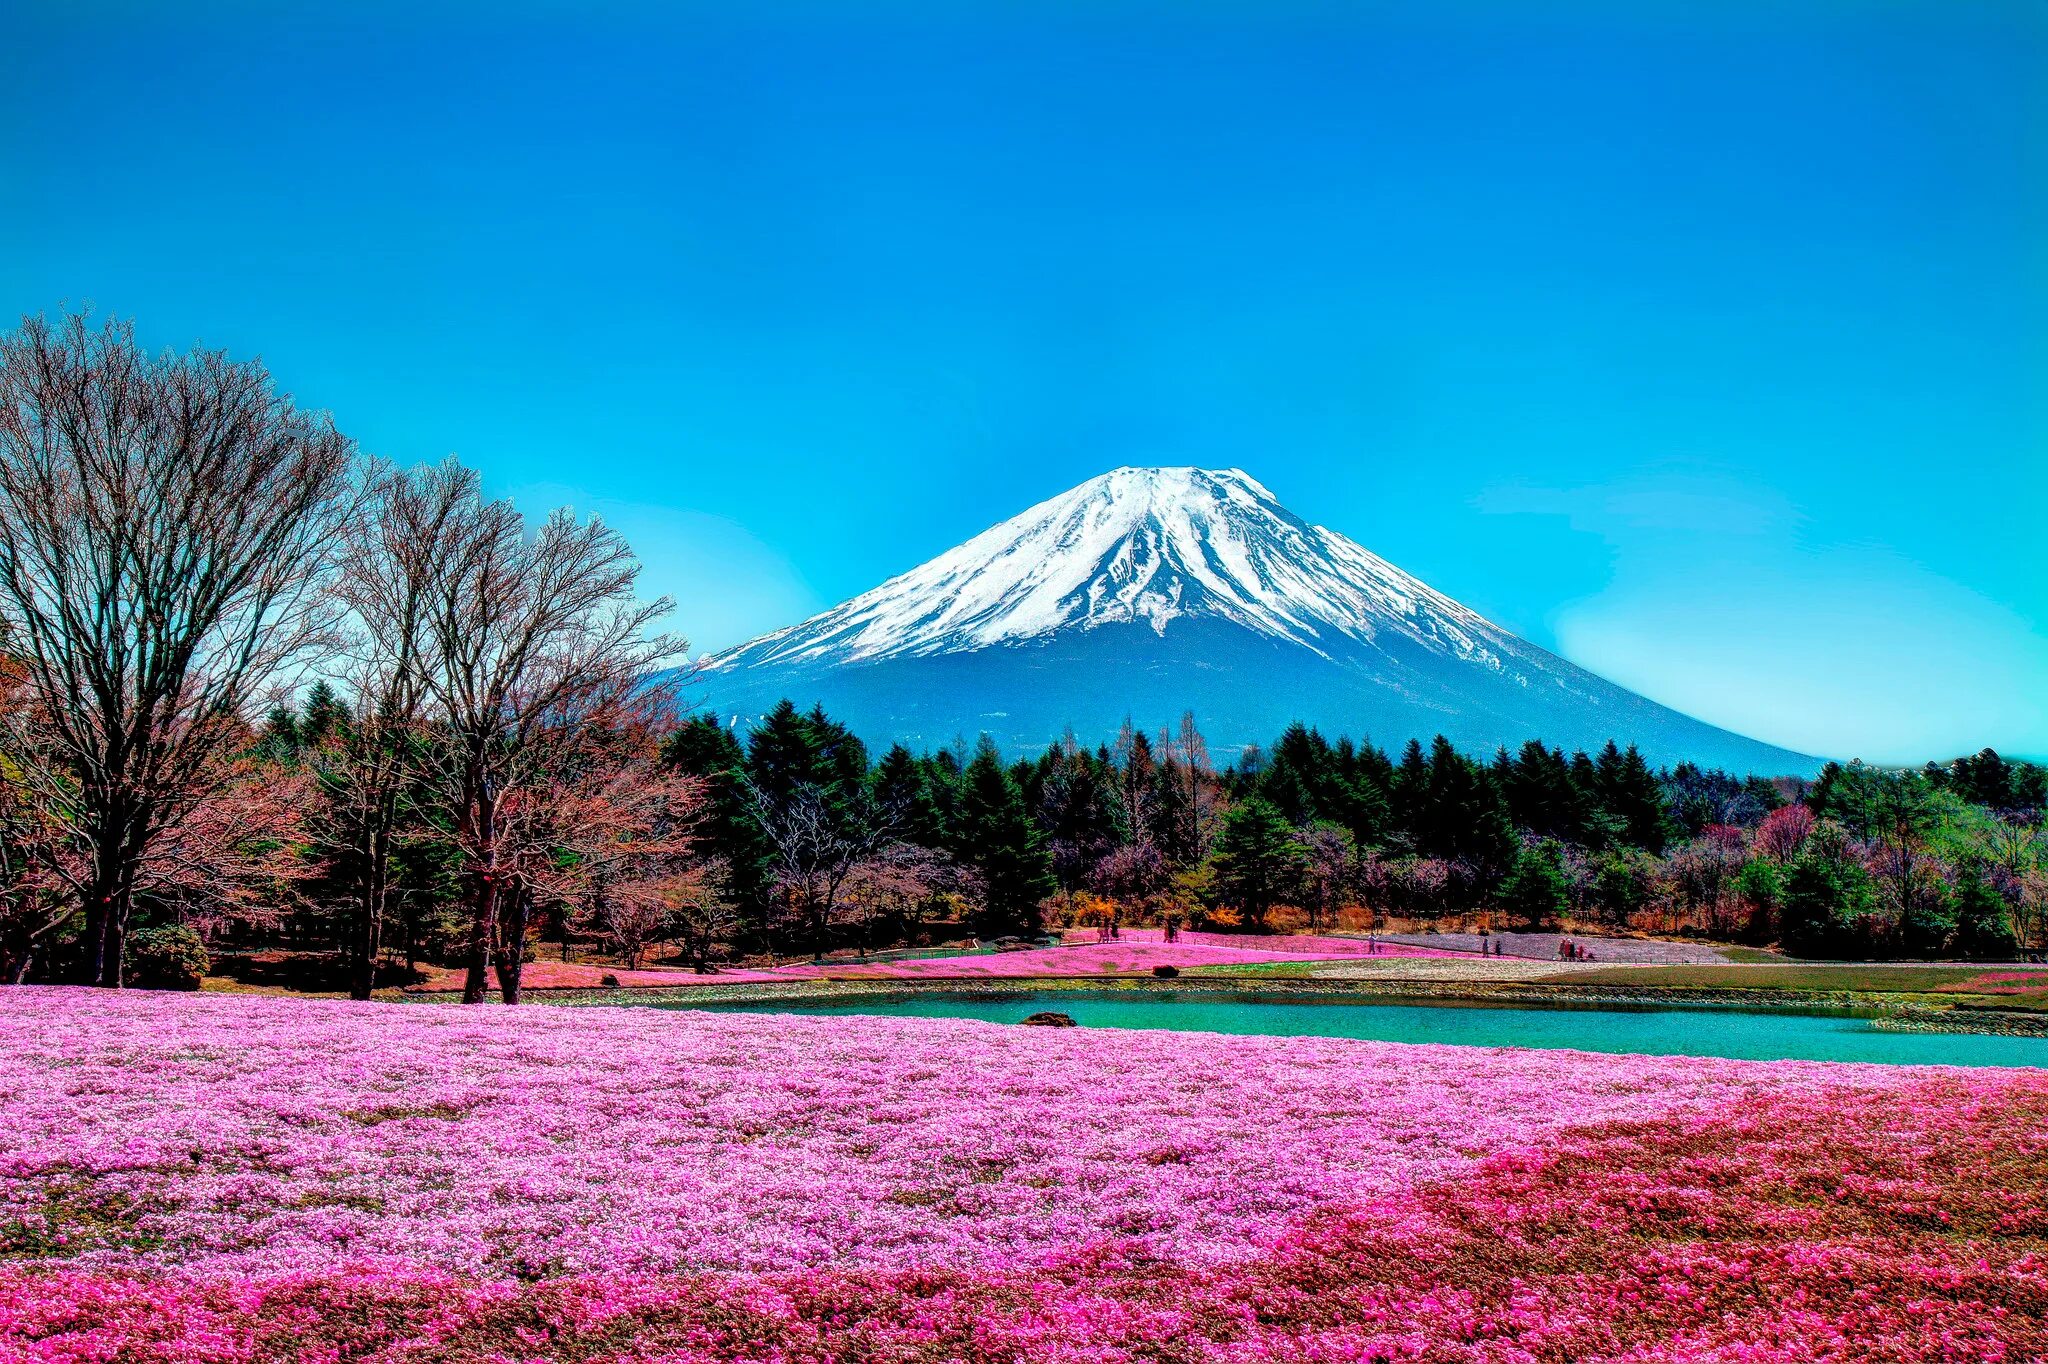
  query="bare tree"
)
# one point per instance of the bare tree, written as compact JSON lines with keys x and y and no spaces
{"x":392,"y":561}
{"x":701,"y":913}
{"x":534,"y":642}
{"x":633,"y":917}
{"x":894,"y":883}
{"x":817,"y":843}
{"x":165,"y":523}
{"x":610,"y":828}
{"x":1198,"y":806}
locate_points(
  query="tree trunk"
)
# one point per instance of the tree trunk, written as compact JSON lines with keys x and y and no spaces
{"x":512,"y":944}
{"x":368,"y":935}
{"x":114,"y":968}
{"x":483,"y":925}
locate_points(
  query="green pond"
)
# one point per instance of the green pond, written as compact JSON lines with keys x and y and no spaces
{"x":1741,"y":1034}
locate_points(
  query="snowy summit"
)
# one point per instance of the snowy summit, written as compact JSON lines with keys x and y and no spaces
{"x":1148,"y":592}
{"x":1136,"y":545}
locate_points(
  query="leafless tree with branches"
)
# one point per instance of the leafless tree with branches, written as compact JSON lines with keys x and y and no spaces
{"x":534,"y":644}
{"x":393,"y":560}
{"x":166,"y":522}
{"x":816,"y":845}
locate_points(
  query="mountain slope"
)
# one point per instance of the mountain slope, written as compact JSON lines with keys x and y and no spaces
{"x":1151,"y":591}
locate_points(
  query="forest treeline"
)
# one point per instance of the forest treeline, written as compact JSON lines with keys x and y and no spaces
{"x":259,"y":690}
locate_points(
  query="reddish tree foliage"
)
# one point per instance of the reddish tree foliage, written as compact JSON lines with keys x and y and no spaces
{"x":1784,"y":832}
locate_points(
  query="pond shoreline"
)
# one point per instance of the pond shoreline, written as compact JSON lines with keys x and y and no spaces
{"x":1887,"y":1009}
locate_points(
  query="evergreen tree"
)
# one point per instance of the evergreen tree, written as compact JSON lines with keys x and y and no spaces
{"x":1983,"y":921}
{"x":903,"y":791}
{"x":1000,"y":840}
{"x":1460,"y":815}
{"x":1297,"y":779}
{"x":1409,"y":792}
{"x":1760,"y":888}
{"x":1074,"y":800}
{"x":783,"y":754}
{"x":1258,"y":862}
{"x":1537,"y":783}
{"x":1826,"y":907}
{"x":281,"y":732}
{"x":732,"y":832}
{"x":1984,"y":779}
{"x":1367,"y":777}
{"x":325,"y":711}
{"x":1536,"y":890}
{"x":1623,"y":880}
{"x":1630,"y":799}
{"x":943,"y":775}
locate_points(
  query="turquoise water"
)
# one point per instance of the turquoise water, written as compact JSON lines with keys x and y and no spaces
{"x":1671,"y":1032}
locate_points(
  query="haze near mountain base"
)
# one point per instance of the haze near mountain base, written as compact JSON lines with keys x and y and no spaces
{"x":1147,"y":592}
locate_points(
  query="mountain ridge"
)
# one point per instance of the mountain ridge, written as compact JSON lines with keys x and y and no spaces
{"x":1146,"y":591}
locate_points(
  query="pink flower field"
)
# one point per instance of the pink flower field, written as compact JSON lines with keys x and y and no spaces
{"x":583,"y":975}
{"x":1288,"y":944}
{"x":1123,"y":956}
{"x":1135,"y":953}
{"x":219,"y":1178}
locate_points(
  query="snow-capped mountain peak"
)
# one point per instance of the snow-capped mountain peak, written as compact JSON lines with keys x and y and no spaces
{"x":1145,"y":545}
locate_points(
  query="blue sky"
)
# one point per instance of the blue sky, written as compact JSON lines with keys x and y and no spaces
{"x":1706,"y":344}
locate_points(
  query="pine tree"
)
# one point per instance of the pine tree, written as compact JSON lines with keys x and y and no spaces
{"x":281,"y":731}
{"x":732,"y":832}
{"x":1536,"y":890}
{"x":1983,"y":921}
{"x":998,"y":837}
{"x":1409,"y":793}
{"x":1461,"y":815}
{"x":783,"y":754}
{"x":325,"y":712}
{"x":1537,"y":784}
{"x":1826,"y":907}
{"x":1370,"y":775}
{"x":903,"y":791}
{"x":1258,"y":861}
{"x":1644,"y":818}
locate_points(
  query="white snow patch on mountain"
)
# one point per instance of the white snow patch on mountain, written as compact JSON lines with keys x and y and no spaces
{"x":1139,"y":545}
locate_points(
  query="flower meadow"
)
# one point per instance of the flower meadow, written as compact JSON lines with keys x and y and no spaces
{"x":1288,"y":944}
{"x":213,"y":1178}
{"x":1136,"y":952}
{"x":1118,"y":956}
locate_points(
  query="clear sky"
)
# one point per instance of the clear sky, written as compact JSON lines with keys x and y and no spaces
{"x":1706,"y":344}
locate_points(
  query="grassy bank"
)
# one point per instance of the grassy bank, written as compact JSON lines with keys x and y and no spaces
{"x":1979,"y":986}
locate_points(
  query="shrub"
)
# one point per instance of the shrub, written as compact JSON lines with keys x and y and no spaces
{"x":169,"y":958}
{"x":1167,"y":971}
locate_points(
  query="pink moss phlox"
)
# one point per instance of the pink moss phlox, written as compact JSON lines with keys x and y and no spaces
{"x":220,"y":1180}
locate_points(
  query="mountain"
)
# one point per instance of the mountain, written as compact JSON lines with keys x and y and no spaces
{"x":1147,"y":592}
